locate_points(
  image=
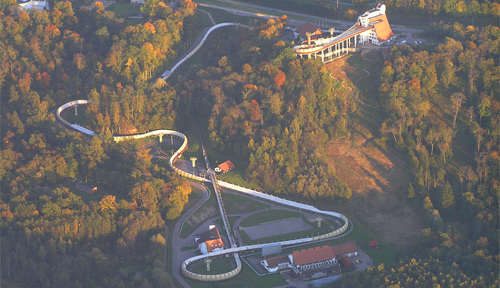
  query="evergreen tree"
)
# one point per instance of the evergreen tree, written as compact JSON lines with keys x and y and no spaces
{"x":411,"y":191}
{"x":447,"y":196}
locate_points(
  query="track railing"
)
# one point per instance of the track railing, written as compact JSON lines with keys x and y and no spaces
{"x":233,"y":250}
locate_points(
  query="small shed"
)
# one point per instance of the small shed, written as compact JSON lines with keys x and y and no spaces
{"x":279,"y":263}
{"x":226,"y":166}
{"x":348,"y":249}
{"x":86,"y":187}
{"x":373,"y":244}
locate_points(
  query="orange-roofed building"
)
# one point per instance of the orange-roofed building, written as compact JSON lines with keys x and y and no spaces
{"x":210,"y":241}
{"x":382,"y":28}
{"x":315,"y":262}
{"x":377,"y":19}
{"x":226,"y":166}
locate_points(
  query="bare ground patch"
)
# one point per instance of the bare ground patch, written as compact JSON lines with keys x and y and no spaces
{"x":378,"y":178}
{"x":202,"y":215}
{"x":379,"y":182}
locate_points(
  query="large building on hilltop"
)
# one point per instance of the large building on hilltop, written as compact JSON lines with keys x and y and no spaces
{"x":377,"y":20}
{"x":33,"y":4}
{"x":371,"y":27}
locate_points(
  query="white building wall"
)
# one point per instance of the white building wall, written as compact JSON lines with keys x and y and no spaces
{"x":35,"y":4}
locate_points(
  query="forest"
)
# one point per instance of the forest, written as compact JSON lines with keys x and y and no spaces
{"x":52,"y":234}
{"x":447,"y":7}
{"x":442,"y":111}
{"x":257,"y":101}
{"x":272,"y":109}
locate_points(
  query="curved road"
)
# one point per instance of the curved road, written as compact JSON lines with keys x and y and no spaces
{"x":176,"y":239}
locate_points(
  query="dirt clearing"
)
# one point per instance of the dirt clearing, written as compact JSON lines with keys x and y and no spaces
{"x":378,"y":178}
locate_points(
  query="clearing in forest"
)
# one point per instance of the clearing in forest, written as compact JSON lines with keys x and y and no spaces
{"x":378,"y":177}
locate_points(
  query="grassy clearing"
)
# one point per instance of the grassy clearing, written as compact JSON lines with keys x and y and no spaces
{"x":235,"y":204}
{"x":124,"y":10}
{"x":361,"y":235}
{"x":246,"y":279}
{"x":86,"y":197}
{"x":205,"y":20}
{"x":217,"y":266}
{"x":269,"y":216}
{"x":187,"y":248}
{"x":235,"y":176}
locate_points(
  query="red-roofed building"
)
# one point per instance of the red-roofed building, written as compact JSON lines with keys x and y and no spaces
{"x":226,"y":166}
{"x":373,"y":244}
{"x":209,"y":241}
{"x":348,"y":249}
{"x":316,"y":262}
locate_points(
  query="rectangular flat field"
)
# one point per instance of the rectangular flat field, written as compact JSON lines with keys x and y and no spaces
{"x":276,"y":228}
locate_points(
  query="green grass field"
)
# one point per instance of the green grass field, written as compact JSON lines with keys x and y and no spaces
{"x":238,"y":204}
{"x":124,"y":10}
{"x":246,"y":279}
{"x":361,"y":235}
{"x":235,"y":176}
{"x":217,"y":266}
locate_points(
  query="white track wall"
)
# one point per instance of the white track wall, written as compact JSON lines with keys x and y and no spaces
{"x":233,"y":250}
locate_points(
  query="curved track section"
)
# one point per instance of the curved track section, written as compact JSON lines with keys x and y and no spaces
{"x":174,"y":157}
{"x":66,"y":123}
{"x":233,"y":250}
{"x":169,"y":72}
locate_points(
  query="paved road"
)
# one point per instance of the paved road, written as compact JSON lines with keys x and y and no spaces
{"x":280,"y":11}
{"x":328,"y":21}
{"x":176,"y":239}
